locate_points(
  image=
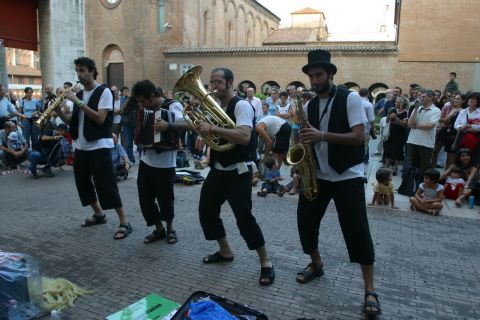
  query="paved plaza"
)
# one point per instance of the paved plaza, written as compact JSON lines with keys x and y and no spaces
{"x":426,"y":267}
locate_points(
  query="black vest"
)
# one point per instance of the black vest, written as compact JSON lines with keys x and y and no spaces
{"x":91,"y":130}
{"x":239,"y":153}
{"x":340,"y":157}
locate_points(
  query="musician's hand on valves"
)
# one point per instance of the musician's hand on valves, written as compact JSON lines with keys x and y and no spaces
{"x":161,"y":126}
{"x":70,"y":96}
{"x":311,"y":135}
{"x":204,"y":127}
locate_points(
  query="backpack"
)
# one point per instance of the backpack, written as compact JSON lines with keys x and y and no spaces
{"x":182,"y":161}
{"x":410,"y":182}
{"x":129,"y":114}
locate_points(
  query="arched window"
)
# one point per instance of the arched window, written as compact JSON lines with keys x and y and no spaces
{"x":376,"y":89}
{"x":114,"y":68}
{"x":242,"y":87}
{"x":352,"y":86}
{"x":267,"y":86}
{"x":296,"y":84}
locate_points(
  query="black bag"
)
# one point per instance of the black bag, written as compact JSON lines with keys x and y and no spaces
{"x":410,"y":182}
{"x":182,"y":161}
{"x":129,"y":114}
{"x":237,"y":310}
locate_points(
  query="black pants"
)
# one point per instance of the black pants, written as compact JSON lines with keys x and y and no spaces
{"x":421,"y":157}
{"x":349,"y":198}
{"x":96,"y":164}
{"x":237,"y":190}
{"x":156,"y":184}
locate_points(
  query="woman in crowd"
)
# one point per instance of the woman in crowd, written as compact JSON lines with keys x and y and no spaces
{"x":30,"y":109}
{"x":394,"y":146}
{"x":273,"y":101}
{"x":465,"y":162}
{"x":468,"y":122}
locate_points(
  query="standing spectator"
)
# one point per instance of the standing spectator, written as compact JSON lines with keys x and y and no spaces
{"x":7,"y":109}
{"x":389,"y":102}
{"x":421,"y":139}
{"x":117,"y":118}
{"x":255,"y":102}
{"x":124,"y":94}
{"x":275,"y":132}
{"x":273,"y":101}
{"x":49,"y":97}
{"x":452,"y":85}
{"x":283,"y":109}
{"x":394,"y":146}
{"x":369,"y":125}
{"x":30,"y":109}
{"x":468,"y":122}
{"x":129,"y":119}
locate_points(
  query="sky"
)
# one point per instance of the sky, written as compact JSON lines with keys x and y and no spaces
{"x":346,"y":19}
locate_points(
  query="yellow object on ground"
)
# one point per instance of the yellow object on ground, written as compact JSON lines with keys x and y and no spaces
{"x":60,"y":293}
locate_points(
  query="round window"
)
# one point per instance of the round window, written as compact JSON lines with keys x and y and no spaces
{"x":110,"y":3}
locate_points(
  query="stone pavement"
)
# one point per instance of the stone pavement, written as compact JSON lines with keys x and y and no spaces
{"x":426,"y":267}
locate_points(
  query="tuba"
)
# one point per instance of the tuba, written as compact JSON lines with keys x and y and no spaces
{"x":43,"y":118}
{"x":209,"y":110}
{"x":301,"y":155}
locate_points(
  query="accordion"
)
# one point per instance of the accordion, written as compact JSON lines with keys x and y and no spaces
{"x":146,"y":135}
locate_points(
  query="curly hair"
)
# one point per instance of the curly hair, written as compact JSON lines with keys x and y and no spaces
{"x":88,"y":63}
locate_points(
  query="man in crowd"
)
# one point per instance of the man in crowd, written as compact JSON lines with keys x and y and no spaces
{"x":49,"y":97}
{"x":336,"y":134}
{"x":7,"y":109}
{"x":452,"y":85}
{"x":9,"y":157}
{"x":255,"y":102}
{"x":48,"y":151}
{"x":129,"y":111}
{"x":421,"y":139}
{"x":369,"y":125}
{"x":117,"y":118}
{"x":275,"y":132}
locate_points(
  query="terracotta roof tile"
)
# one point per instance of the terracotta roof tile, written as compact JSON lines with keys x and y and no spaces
{"x":342,"y":49}
{"x":292,"y":35}
{"x":307,"y":10}
{"x":20,"y":70}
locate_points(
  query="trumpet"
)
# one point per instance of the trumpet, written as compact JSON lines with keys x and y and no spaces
{"x":42,"y":120}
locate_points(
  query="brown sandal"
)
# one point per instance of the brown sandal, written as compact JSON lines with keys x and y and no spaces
{"x":155,"y":236}
{"x":94,"y":220}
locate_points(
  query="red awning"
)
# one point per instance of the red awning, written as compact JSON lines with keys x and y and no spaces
{"x":18,"y":24}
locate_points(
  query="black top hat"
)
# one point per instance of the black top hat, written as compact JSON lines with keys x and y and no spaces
{"x":319,"y":58}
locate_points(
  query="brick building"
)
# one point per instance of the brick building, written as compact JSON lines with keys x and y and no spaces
{"x":161,"y":39}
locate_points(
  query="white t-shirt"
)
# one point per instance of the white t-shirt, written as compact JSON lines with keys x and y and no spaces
{"x":166,"y":159}
{"x":462,"y":118}
{"x":368,"y":107}
{"x":430,"y":194}
{"x":244,"y":115}
{"x":283,"y":110}
{"x":425,"y":138}
{"x":273,"y":124}
{"x":116,"y":106}
{"x":257,"y":105}
{"x":105,"y":103}
{"x":356,"y":115}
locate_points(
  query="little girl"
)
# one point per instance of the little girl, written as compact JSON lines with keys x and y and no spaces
{"x":454,"y":184}
{"x":383,"y":188}
{"x":429,"y":196}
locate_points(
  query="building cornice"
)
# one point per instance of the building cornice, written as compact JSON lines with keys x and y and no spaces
{"x":267,"y":11}
{"x":353,"y":50}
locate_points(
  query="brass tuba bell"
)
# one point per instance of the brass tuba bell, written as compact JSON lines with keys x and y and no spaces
{"x":209,"y":110}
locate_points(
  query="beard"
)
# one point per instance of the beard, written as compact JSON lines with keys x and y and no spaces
{"x":322,"y":89}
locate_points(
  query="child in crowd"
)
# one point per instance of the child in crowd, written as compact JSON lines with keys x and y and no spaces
{"x":383,"y":188}
{"x":294,"y":186}
{"x":429,"y":196}
{"x":454,"y":184}
{"x":13,"y":142}
{"x":272,"y":178}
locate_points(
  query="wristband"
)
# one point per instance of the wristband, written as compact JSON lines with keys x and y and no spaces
{"x":79,"y":102}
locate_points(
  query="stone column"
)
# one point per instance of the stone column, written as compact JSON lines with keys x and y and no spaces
{"x":62,"y":39}
{"x":3,"y":65}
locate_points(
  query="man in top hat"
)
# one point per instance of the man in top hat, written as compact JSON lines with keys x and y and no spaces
{"x":336,"y":132}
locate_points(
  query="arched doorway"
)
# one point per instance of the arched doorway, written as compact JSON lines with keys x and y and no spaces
{"x":242,"y":87}
{"x":268,"y":85}
{"x":114,"y":68}
{"x":376,"y":89}
{"x":352,"y":86}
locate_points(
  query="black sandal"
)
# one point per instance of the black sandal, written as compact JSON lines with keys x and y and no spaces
{"x":155,"y":236}
{"x":369,"y":303}
{"x":266,"y":273}
{"x":172,"y":237}
{"x":216,"y":257}
{"x":309,"y":275}
{"x":124,"y":230}
{"x":94,"y":220}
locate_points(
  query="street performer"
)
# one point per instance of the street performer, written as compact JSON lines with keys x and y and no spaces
{"x":230,"y":178}
{"x":91,"y":127}
{"x":156,"y":173}
{"x":336,"y":119}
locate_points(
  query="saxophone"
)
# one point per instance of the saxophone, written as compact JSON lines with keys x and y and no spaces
{"x":301,"y":155}
{"x":42,"y":120}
